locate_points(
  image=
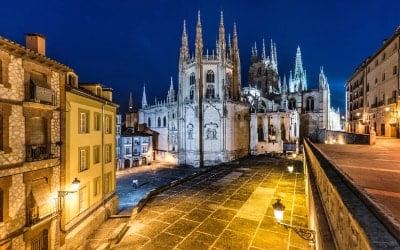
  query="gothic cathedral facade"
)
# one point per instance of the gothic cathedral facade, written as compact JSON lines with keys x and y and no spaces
{"x":209,"y":122}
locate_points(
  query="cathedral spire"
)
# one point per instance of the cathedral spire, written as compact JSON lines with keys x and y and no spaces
{"x":298,"y":81}
{"x":298,"y":69}
{"x":323,"y":80}
{"x":171,"y":92}
{"x":184,"y":52}
{"x":221,"y":38}
{"x":130,"y":102}
{"x":236,"y":78}
{"x":199,"y":38}
{"x":144,"y":98}
{"x":263,"y":50}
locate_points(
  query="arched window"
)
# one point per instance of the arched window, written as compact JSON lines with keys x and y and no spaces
{"x":159,"y":122}
{"x":210,"y":92}
{"x":192,"y":79}
{"x":210,"y":76}
{"x":149,"y":122}
{"x":164,"y":121}
{"x":310,"y":104}
{"x":292,"y":103}
{"x":191,"y":94}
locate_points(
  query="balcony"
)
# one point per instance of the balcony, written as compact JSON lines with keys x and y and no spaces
{"x":39,"y":152}
{"x":38,"y":94}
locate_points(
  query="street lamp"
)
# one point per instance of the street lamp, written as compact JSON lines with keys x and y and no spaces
{"x":304,"y":233}
{"x":290,"y":168}
{"x":75,"y":188}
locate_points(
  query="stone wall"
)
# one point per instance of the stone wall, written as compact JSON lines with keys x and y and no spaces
{"x":340,"y":137}
{"x":350,"y":220}
{"x":77,"y":237}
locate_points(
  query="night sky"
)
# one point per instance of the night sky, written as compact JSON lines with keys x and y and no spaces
{"x":125,"y":44}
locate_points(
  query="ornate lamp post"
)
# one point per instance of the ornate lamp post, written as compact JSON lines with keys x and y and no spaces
{"x":304,"y":233}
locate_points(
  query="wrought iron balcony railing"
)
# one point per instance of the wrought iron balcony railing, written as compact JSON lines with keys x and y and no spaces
{"x":39,"y":152}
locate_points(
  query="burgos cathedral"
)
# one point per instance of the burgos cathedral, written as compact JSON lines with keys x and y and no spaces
{"x":212,"y":119}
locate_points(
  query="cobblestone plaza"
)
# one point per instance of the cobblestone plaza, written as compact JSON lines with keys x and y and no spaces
{"x":229,"y":207}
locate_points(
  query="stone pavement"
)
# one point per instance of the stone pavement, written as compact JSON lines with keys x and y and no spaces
{"x":149,"y":178}
{"x":228,"y":207}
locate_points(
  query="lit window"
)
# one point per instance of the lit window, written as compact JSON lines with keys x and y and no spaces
{"x":107,"y":183}
{"x":83,"y":159}
{"x":97,"y":121}
{"x":107,"y":125}
{"x":107,"y":153}
{"x":96,"y":186}
{"x":83,"y":122}
{"x":96,"y":154}
{"x":83,"y":199}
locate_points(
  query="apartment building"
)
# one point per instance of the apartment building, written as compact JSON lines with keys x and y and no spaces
{"x":31,"y":97}
{"x":372,"y":92}
{"x":90,"y":157}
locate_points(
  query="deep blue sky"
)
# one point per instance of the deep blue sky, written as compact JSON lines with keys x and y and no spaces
{"x":125,"y":44}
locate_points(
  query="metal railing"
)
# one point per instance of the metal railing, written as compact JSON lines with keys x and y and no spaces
{"x":39,"y":152}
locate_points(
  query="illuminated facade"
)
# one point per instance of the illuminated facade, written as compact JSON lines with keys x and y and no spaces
{"x":31,"y":91}
{"x":208,"y":122}
{"x":372,"y":92}
{"x":90,"y":156}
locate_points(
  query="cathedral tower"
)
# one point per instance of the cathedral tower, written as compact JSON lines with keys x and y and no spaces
{"x":208,"y":95}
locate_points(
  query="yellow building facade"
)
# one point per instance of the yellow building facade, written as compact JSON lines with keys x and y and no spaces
{"x":90,"y":157}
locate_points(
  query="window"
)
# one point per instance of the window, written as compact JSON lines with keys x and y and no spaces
{"x":149,"y":122}
{"x":97,"y":121}
{"x":144,"y":148}
{"x":383,"y":76}
{"x":96,"y":186}
{"x":292,"y":103}
{"x":83,"y":122}
{"x":394,"y":69}
{"x":310,"y":104}
{"x":107,"y":183}
{"x":159,"y":122}
{"x":210,"y":76}
{"x":260,"y":132}
{"x":191,"y":95}
{"x":96,"y":154}
{"x":192,"y":79}
{"x":210,"y":92}
{"x":164,"y":121}
{"x":83,"y":199}
{"x":107,"y":124}
{"x":83,"y":158}
{"x":107,"y":153}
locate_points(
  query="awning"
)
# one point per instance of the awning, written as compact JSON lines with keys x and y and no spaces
{"x":41,"y":195}
{"x":39,"y":80}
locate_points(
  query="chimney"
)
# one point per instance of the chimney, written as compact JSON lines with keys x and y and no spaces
{"x":36,"y":42}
